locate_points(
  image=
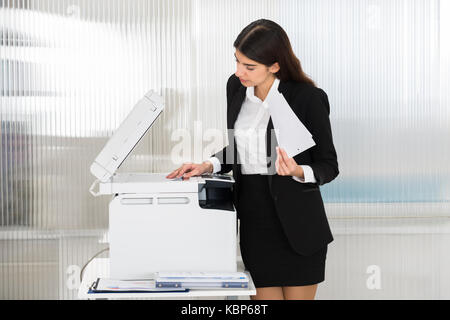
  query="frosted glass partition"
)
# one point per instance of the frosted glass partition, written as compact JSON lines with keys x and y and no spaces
{"x":72,"y":70}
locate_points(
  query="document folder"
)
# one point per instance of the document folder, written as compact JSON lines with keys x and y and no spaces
{"x":102,"y":285}
{"x":199,"y":280}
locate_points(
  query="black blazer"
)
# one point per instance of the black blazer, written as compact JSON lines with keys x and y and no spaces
{"x":299,"y":205}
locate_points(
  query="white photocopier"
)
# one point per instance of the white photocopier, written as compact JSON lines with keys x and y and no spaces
{"x":158,"y":224}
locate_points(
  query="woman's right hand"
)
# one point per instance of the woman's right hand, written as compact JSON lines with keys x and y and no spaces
{"x":188,"y":170}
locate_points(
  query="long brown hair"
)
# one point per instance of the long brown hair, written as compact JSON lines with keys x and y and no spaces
{"x":266,"y":42}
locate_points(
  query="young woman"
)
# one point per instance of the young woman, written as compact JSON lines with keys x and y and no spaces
{"x":284,"y":232}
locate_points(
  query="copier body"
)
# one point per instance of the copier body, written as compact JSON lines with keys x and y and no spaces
{"x":160,"y":229}
{"x":158,"y":224}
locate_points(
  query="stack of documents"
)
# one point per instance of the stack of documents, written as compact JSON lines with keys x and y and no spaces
{"x":102,"y":285}
{"x":201,"y":280}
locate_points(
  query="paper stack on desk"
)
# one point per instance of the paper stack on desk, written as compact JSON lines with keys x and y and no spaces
{"x":201,"y":280}
{"x":102,"y":285}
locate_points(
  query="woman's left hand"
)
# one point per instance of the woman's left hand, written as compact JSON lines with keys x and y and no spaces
{"x":286,"y":166}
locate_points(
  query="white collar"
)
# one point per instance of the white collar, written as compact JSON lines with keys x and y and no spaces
{"x":251,"y":92}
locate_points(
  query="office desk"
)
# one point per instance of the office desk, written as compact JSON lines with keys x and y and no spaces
{"x":99,"y":268}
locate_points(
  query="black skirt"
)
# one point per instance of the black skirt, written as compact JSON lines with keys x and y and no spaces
{"x":265,"y":249}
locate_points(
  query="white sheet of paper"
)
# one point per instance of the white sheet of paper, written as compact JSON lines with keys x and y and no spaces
{"x":291,"y":134}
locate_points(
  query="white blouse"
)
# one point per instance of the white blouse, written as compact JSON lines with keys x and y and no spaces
{"x":250,"y":136}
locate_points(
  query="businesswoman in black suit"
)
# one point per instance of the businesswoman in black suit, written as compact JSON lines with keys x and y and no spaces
{"x":284,"y":232}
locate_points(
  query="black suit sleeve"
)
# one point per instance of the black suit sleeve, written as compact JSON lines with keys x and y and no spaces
{"x":226,"y":155}
{"x":222,"y":156}
{"x":324,"y":158}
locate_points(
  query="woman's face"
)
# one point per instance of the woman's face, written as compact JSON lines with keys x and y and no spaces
{"x":252,"y":73}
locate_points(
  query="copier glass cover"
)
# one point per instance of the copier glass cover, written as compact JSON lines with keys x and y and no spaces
{"x":131,"y":130}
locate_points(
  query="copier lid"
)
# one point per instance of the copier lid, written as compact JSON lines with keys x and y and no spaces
{"x":130,"y":131}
